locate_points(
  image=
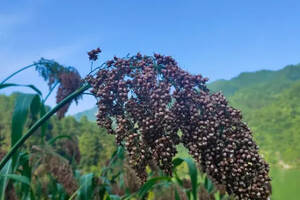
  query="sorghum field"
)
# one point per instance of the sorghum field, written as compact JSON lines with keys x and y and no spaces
{"x":151,"y":107}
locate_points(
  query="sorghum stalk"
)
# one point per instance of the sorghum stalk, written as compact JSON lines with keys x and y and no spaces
{"x":17,"y":73}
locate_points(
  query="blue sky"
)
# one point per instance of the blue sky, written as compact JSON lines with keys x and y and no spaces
{"x":217,"y":38}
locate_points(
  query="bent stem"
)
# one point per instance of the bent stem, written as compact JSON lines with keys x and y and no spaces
{"x":21,"y":141}
{"x":17,"y":72}
{"x":50,"y":91}
{"x":20,"y":70}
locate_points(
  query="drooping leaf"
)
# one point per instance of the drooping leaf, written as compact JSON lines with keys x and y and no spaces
{"x":5,"y":85}
{"x":176,"y":162}
{"x":150,"y":183}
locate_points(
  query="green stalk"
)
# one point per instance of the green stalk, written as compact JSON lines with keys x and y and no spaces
{"x":49,"y":93}
{"x":21,"y":141}
{"x":17,"y":72}
{"x":20,"y":70}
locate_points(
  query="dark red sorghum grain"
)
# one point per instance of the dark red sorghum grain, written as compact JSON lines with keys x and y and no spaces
{"x":150,"y":99}
{"x":93,"y":54}
{"x":69,"y":82}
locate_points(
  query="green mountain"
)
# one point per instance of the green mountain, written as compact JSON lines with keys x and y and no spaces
{"x":270,"y":103}
{"x":90,"y":114}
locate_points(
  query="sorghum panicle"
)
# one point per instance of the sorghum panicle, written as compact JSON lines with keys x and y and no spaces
{"x":69,"y":82}
{"x":150,"y":99}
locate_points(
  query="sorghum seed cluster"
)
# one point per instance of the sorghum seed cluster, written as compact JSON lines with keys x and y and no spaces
{"x":145,"y":101}
{"x":93,"y":54}
{"x":69,"y":82}
{"x":68,"y":79}
{"x":62,"y":172}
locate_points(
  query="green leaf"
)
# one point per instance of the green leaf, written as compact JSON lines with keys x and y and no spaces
{"x":193,"y":175}
{"x":179,"y":181}
{"x":38,"y":124}
{"x":176,"y":162}
{"x":102,"y":191}
{"x":150,"y":183}
{"x":86,"y":189}
{"x":177,"y":197}
{"x":117,"y":155}
{"x":25,"y":170}
{"x":217,"y":196}
{"x":18,"y":178}
{"x":38,"y":188}
{"x":188,"y":194}
{"x":60,"y":192}
{"x":192,"y":172}
{"x":24,"y":103}
{"x":208,"y":185}
{"x":114,"y":177}
{"x":77,"y":175}
{"x":3,"y":179}
{"x":5,"y":85}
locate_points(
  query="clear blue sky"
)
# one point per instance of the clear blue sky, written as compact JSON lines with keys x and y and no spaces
{"x":217,"y":38}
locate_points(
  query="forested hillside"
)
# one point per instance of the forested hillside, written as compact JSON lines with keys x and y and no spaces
{"x":270,"y":102}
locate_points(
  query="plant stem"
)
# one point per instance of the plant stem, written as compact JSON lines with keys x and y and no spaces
{"x":50,"y":91}
{"x":17,"y":72}
{"x":21,"y":141}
